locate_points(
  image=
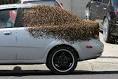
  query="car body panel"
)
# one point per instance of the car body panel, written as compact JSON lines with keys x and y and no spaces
{"x":27,"y":48}
{"x":87,"y":53}
{"x":7,"y":44}
{"x":81,"y":47}
{"x":33,"y":48}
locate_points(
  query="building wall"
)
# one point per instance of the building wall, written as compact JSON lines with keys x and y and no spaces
{"x":77,"y":7}
{"x":67,"y":4}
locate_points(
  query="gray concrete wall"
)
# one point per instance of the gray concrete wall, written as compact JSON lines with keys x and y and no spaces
{"x":76,"y":6}
{"x":67,"y":4}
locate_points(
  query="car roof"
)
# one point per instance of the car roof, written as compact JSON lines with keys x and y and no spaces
{"x":15,"y":6}
{"x":39,"y":1}
{"x":22,"y":1}
{"x":10,"y":6}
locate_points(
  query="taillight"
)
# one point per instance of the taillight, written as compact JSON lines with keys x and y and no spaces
{"x":89,"y":46}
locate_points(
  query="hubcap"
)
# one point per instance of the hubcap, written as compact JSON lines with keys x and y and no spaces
{"x":63,"y":60}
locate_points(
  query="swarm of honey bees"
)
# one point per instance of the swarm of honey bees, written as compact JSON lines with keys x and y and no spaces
{"x":53,"y":22}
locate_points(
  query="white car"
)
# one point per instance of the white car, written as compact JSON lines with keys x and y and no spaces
{"x":17,"y":46}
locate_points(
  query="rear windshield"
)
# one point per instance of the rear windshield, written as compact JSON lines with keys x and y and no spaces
{"x":115,"y":3}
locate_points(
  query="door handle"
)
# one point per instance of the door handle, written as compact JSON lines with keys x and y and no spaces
{"x":7,"y":33}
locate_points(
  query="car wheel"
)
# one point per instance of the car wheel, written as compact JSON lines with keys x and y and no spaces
{"x":106,"y":30}
{"x":62,"y":60}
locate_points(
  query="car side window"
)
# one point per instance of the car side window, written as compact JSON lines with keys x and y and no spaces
{"x":10,"y":18}
{"x":6,"y":19}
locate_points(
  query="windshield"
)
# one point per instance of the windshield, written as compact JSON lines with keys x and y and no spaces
{"x":115,"y":3}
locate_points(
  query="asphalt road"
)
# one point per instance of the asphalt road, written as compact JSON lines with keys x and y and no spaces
{"x":45,"y":74}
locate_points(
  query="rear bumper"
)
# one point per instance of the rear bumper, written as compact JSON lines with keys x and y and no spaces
{"x":90,"y":53}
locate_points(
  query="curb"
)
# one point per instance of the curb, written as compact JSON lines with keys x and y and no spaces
{"x":106,"y":59}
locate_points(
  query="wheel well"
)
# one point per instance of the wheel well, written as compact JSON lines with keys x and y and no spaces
{"x":63,"y":45}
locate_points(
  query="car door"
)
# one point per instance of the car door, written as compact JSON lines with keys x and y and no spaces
{"x":30,"y":48}
{"x":7,"y":37}
{"x":94,"y":9}
{"x":103,"y":8}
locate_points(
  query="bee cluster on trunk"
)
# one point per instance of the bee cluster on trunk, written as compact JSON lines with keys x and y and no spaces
{"x":46,"y":22}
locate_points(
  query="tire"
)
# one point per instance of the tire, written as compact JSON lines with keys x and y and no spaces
{"x":62,"y":60}
{"x":106,"y":30}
